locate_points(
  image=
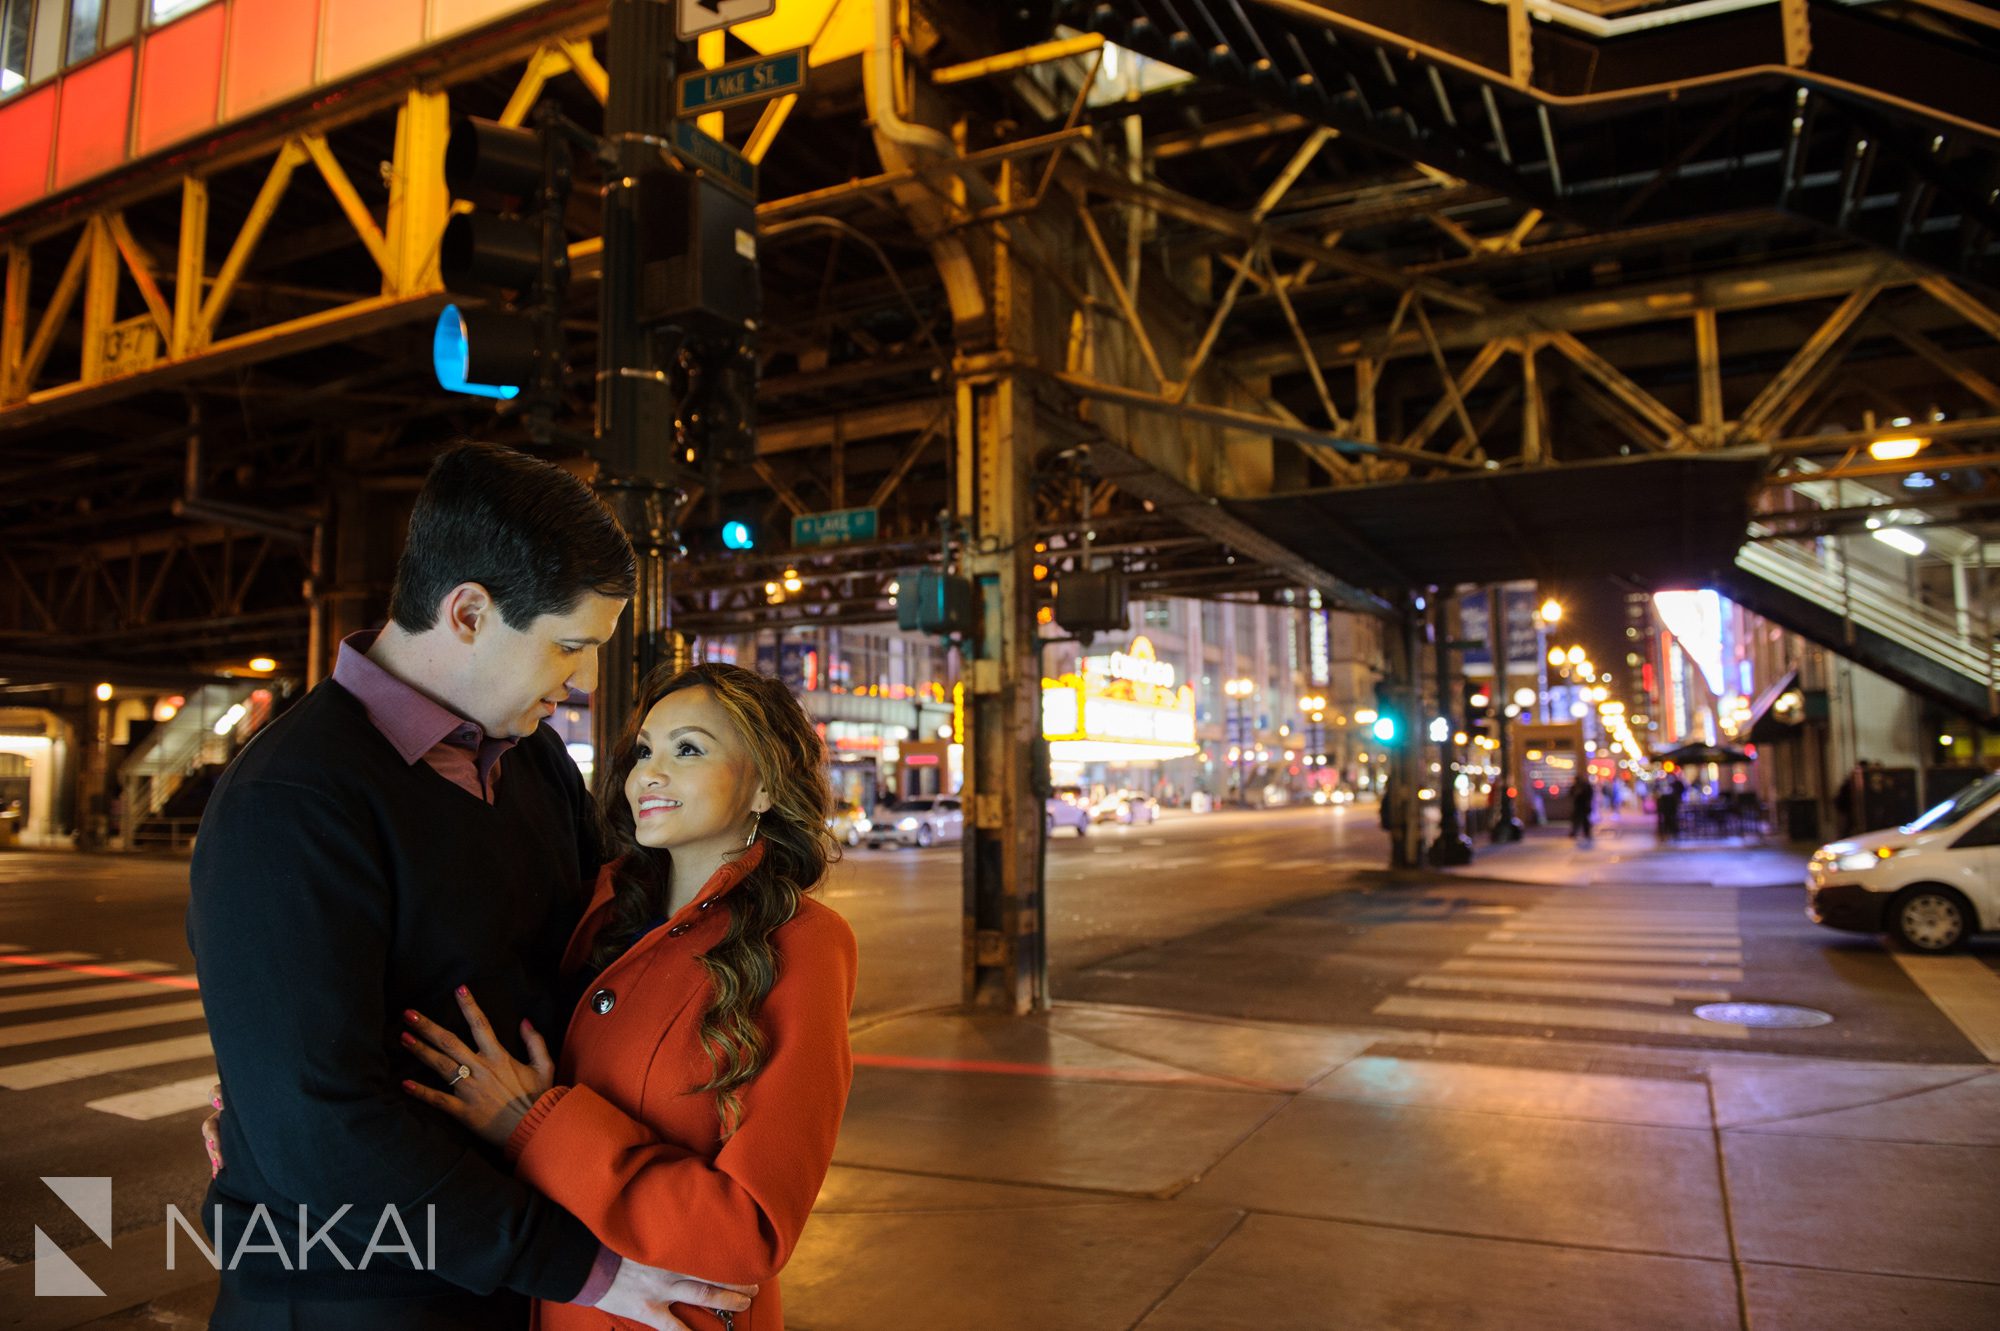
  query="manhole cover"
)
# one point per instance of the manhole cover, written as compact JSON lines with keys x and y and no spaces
{"x":1767,"y":1015}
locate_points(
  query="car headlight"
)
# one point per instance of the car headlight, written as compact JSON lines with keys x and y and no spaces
{"x":1863,"y":859}
{"x":906,"y":824}
{"x":863,"y":825}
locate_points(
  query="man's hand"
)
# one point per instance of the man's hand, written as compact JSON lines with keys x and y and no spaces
{"x":642,"y":1294}
{"x":211,"y":1132}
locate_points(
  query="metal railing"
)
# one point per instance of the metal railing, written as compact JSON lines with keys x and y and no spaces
{"x":1869,"y":600}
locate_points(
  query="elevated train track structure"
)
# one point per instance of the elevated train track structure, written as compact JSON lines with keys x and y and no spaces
{"x":1206,"y":290}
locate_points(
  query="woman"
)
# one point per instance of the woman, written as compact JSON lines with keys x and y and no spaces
{"x":706,"y":1066}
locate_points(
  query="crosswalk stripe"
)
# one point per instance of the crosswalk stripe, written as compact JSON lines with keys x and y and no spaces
{"x":1722,"y":919}
{"x":13,"y":947}
{"x":27,"y":961}
{"x":1634,"y":930}
{"x":158,"y":1101}
{"x":125,"y":1019}
{"x":97,"y":1062}
{"x":1583,"y":953}
{"x":91,"y":993}
{"x":36,"y":975}
{"x":1703,"y":942}
{"x":1556,"y":1015}
{"x":1610,"y":993}
{"x":1598,"y":970}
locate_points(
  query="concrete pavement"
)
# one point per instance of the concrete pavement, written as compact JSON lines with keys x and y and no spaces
{"x":1149,"y":1164}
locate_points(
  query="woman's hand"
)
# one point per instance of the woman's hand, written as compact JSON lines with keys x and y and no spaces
{"x":496,"y":1090}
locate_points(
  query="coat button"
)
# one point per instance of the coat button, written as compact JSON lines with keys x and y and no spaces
{"x":677,"y":931}
{"x":602,"y":1001}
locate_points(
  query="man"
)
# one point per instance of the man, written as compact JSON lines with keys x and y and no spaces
{"x":408,"y":827}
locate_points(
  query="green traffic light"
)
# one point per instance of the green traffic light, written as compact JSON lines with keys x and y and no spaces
{"x":1385,"y":729}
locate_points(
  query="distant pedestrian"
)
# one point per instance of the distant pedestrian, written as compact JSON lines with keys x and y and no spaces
{"x":1671,"y":792}
{"x":1582,"y":804}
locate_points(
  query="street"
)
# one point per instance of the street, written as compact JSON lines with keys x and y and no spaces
{"x":1271,"y":915}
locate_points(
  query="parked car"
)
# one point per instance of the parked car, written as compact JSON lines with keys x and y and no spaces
{"x":923,"y":820}
{"x":1065,"y":813}
{"x":1927,"y":884}
{"x":848,"y":824}
{"x":1124,"y":806}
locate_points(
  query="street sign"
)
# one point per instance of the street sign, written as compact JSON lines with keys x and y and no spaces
{"x":751,"y":80}
{"x":694,"y":17}
{"x":842,"y":526}
{"x":131,"y":346}
{"x":732,"y":168}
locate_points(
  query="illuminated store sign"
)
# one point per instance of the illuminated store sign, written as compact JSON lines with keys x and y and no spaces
{"x":1124,"y":707}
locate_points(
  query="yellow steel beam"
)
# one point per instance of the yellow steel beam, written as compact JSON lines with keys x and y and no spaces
{"x":709,"y":50}
{"x":543,"y":65}
{"x":52,"y":316}
{"x":584,"y":62}
{"x":140,"y":265}
{"x":14,"y":317}
{"x":190,"y":265}
{"x":261,"y":211}
{"x":100,"y":296}
{"x":1009,"y":61}
{"x":348,"y":198}
{"x":418,"y":202}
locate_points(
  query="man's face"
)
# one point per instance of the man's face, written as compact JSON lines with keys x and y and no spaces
{"x":516,"y":678}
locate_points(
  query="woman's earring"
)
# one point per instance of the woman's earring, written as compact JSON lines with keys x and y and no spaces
{"x":756,"y":820}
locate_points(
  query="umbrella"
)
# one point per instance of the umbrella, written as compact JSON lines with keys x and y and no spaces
{"x":1694,"y":755}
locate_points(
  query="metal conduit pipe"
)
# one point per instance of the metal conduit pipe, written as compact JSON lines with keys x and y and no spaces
{"x":906,"y":146}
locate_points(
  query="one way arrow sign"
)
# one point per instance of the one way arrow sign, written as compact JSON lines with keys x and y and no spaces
{"x":694,"y":17}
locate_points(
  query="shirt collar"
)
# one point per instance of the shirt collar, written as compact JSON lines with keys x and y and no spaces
{"x":725,"y":879}
{"x":411,"y":721}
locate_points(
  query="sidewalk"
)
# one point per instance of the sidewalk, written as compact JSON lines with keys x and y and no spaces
{"x":1625,"y":852}
{"x":1117,"y":1167}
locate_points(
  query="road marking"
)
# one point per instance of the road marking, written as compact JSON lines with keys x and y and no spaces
{"x":93,"y":993}
{"x":1594,"y":970}
{"x":1965,"y":991}
{"x":1610,"y":993}
{"x":1107,"y":850}
{"x":12,"y":947}
{"x":1561,"y":952}
{"x":1665,"y":934}
{"x":20,"y":958}
{"x":1706,"y":942}
{"x":125,"y":1019}
{"x":1556,"y":1015}
{"x":97,"y":1062}
{"x":54,"y":976}
{"x":1290,"y":865}
{"x":175,"y":1097}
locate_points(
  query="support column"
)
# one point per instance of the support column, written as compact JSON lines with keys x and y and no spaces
{"x":1006,"y":964}
{"x":1506,"y":825}
{"x":1452,"y":846}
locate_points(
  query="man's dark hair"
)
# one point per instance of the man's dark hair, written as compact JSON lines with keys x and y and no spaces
{"x":527,"y":531}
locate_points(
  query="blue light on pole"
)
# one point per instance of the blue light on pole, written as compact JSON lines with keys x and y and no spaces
{"x":736,"y":535}
{"x":451,"y":355}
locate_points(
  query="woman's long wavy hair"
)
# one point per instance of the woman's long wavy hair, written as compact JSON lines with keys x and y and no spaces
{"x":798,"y":848}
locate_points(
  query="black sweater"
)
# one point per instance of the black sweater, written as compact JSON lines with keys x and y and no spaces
{"x":335,"y":885}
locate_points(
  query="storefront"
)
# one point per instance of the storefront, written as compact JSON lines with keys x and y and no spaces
{"x":1117,"y":721}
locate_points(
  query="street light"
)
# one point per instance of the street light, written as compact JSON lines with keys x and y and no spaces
{"x":1314,"y":706}
{"x":1239,"y":690}
{"x":1550,"y":612}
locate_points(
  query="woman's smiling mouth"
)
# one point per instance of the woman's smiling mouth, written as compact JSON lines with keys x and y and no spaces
{"x":653,"y":804}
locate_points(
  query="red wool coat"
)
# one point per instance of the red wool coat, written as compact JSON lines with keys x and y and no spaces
{"x":624,"y":1142}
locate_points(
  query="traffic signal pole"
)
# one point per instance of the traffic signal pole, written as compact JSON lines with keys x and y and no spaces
{"x":1452,"y":846}
{"x":1506,"y":825}
{"x":642,"y":57}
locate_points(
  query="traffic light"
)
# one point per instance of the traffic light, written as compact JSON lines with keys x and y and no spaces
{"x":1391,"y":711}
{"x":934,"y":602}
{"x":736,"y":535}
{"x":511,"y":244}
{"x":1091,"y":603}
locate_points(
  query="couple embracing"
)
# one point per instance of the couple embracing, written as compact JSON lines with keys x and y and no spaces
{"x":589,"y":1057}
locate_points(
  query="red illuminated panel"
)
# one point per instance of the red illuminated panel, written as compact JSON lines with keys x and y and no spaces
{"x":270,"y":52}
{"x":180,"y":77}
{"x":95,"y":117}
{"x":360,"y":33}
{"x":28,"y":128}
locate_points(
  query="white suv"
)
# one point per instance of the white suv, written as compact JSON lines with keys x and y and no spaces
{"x":1928,"y":883}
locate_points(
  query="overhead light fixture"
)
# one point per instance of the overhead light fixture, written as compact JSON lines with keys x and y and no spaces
{"x":1896,"y":449}
{"x":1900,"y":538}
{"x":263,"y":665}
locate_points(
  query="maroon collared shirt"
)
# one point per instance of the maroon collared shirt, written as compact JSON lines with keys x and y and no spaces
{"x":421,"y":728}
{"x":425,"y":730}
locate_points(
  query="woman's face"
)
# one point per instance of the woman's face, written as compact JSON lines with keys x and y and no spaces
{"x":693,"y":784}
